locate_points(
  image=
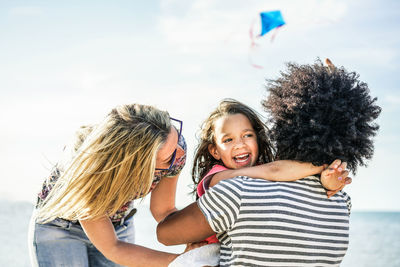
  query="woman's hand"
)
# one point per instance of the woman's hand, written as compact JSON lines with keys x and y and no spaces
{"x":334,"y":177}
{"x":102,"y":234}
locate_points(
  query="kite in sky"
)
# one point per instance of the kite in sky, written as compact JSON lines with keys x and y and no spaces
{"x":269,"y":20}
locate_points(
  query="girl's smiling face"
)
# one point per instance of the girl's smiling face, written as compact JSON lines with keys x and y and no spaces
{"x":235,"y":141}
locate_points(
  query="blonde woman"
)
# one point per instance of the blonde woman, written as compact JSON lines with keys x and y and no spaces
{"x":84,"y":211}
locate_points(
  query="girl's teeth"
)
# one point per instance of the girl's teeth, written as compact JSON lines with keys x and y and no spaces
{"x":242,"y":158}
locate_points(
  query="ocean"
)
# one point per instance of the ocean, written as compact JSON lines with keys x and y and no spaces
{"x":374,"y":236}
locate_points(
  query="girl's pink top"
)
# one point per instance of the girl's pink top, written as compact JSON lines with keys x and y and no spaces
{"x":203,"y":186}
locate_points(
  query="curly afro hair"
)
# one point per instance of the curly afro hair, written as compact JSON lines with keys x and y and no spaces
{"x":319,"y":114}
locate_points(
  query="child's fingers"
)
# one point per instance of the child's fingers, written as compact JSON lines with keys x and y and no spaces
{"x":348,"y":180}
{"x":343,"y":175}
{"x":335,"y":164}
{"x":342,"y":166}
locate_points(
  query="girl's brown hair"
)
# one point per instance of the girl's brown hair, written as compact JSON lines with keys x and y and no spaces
{"x":204,"y":161}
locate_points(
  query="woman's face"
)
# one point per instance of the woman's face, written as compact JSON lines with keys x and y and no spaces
{"x":165,"y":154}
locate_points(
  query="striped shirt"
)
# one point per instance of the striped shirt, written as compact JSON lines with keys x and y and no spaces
{"x":262,"y":223}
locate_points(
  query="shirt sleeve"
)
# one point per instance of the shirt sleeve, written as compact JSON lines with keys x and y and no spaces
{"x":205,"y":182}
{"x":221,"y":204}
{"x":347,"y":199}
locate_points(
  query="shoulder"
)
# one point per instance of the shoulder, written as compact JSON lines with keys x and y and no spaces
{"x":215,"y":169}
{"x":306,"y":187}
{"x":229,"y":190}
{"x":346,"y":199}
{"x":310,"y":183}
{"x":236,"y":182}
{"x":221,"y":204}
{"x":243,"y":183}
{"x":203,"y":185}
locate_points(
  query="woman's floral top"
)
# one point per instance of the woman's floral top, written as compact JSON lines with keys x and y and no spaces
{"x":127,"y":207}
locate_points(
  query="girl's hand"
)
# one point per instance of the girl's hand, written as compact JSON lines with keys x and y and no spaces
{"x":190,"y":246}
{"x":334,"y":177}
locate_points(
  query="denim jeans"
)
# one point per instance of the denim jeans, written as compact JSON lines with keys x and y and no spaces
{"x":63,"y":243}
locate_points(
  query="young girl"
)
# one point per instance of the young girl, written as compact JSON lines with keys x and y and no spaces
{"x":84,"y":211}
{"x":234,"y":143}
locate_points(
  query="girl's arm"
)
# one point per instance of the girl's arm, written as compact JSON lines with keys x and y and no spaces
{"x":101,"y":233}
{"x":162,"y":201}
{"x":333,"y":178}
{"x":280,"y":170}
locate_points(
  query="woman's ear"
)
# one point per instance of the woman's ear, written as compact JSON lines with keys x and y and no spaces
{"x":213,"y":151}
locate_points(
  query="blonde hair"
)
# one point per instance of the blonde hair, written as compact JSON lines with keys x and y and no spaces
{"x":114,"y":164}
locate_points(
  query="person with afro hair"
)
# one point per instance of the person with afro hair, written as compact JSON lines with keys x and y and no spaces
{"x":321,"y":113}
{"x":317,"y":114}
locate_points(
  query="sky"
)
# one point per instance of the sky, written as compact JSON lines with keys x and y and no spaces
{"x":66,"y":64}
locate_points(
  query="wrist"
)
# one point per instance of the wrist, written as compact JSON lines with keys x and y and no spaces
{"x":321,"y":168}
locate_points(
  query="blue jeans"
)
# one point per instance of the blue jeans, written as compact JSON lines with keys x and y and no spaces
{"x":63,"y":243}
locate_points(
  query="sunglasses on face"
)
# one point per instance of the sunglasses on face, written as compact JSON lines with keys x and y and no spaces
{"x":178,"y":126}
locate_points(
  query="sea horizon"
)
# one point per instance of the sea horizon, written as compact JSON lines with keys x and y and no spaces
{"x":374,"y":235}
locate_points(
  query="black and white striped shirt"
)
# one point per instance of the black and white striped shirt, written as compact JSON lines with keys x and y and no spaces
{"x":262,"y":223}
